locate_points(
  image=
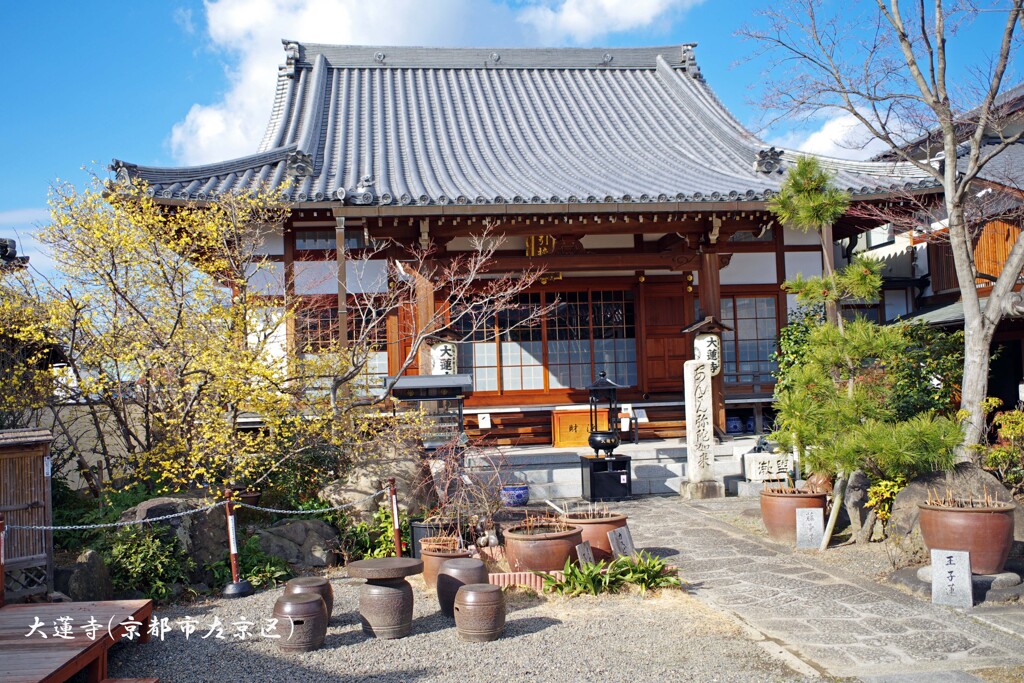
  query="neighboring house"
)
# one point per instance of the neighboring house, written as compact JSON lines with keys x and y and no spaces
{"x":921,"y":281}
{"x":618,"y":170}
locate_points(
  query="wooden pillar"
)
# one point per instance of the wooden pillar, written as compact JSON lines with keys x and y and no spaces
{"x":339,"y":239}
{"x":424,"y":309}
{"x":710,"y":293}
{"x":289,"y":291}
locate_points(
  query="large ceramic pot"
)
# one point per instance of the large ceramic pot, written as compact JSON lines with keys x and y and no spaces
{"x":778,"y":512}
{"x":985,"y":532}
{"x":595,"y":526}
{"x":433,"y":559}
{"x":543,"y":548}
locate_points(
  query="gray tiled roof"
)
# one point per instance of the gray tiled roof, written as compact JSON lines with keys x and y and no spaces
{"x":429,"y":126}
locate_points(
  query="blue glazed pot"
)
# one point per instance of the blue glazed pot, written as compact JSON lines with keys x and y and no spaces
{"x":733,"y":425}
{"x":515,"y":496}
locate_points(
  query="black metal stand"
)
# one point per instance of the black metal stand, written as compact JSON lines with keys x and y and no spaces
{"x":606,"y":478}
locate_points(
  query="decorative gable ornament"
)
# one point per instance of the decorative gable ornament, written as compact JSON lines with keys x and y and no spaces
{"x":769,"y":161}
{"x":363,"y":193}
{"x":299,"y":165}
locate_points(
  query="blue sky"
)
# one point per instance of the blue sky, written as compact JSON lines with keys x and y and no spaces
{"x":181,"y":81}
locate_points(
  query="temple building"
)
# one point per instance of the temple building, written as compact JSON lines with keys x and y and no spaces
{"x":617,"y":170}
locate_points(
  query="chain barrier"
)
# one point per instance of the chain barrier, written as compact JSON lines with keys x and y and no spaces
{"x":115,"y":525}
{"x":310,"y":512}
{"x":185,"y":513}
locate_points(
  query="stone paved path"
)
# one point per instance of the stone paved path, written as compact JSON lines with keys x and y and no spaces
{"x":840,"y":624}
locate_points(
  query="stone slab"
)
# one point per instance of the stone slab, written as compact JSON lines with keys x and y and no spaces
{"x":699,"y":490}
{"x":929,"y":677}
{"x":951,"y":585}
{"x":810,"y":527}
{"x":997,"y":581}
{"x":749,"y":488}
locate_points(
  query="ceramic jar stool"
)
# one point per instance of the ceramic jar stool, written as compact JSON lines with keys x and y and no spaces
{"x":479,"y":612}
{"x":313,"y":584}
{"x":301,"y":622}
{"x":453,"y":575}
{"x":386,"y":601}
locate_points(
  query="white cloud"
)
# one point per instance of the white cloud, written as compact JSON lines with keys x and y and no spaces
{"x":583,"y":20}
{"x":183,"y":18}
{"x":841,"y":136}
{"x":249,"y":32}
{"x":23,"y":217}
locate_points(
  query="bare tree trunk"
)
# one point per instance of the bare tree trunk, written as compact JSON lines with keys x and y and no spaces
{"x":867,"y":529}
{"x":977,"y":340}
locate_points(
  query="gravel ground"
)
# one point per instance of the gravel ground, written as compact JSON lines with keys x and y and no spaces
{"x":669,"y":636}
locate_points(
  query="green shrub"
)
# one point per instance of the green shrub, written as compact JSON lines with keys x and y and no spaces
{"x":147,"y":559}
{"x":73,"y":508}
{"x":590,"y":579}
{"x":254,"y":566}
{"x":643,"y":570}
{"x":648,"y":572}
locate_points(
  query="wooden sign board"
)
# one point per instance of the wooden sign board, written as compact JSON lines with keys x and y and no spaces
{"x":622,"y":542}
{"x":810,"y":527}
{"x":572,"y":427}
{"x":585,"y":553}
{"x":951,"y":578}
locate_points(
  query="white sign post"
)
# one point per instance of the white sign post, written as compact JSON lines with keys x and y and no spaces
{"x":700,"y":433}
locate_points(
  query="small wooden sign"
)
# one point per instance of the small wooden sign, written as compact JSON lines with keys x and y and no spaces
{"x":810,"y":527}
{"x":622,"y":542}
{"x":484,"y":420}
{"x":585,"y":553}
{"x":951,"y":578}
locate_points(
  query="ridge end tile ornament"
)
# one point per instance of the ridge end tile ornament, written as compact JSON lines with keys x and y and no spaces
{"x":299,"y":165}
{"x":768,"y":161}
{"x":700,"y":433}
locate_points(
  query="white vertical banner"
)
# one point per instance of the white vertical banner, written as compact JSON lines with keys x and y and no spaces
{"x":232,"y":544}
{"x":443,"y":359}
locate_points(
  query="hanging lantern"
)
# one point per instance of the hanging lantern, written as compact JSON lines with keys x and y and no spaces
{"x":604,"y":436}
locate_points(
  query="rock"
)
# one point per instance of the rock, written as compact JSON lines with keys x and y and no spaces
{"x":202,"y":535}
{"x":413,"y":482}
{"x":855,"y":498}
{"x":200,"y":588}
{"x":89,"y":579}
{"x":965,"y":479}
{"x":306,"y":542}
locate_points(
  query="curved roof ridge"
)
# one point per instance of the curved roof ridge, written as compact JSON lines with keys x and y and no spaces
{"x":421,"y":57}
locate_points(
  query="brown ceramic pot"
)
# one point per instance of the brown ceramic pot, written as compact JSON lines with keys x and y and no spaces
{"x":432,"y":561}
{"x":453,"y":575}
{"x":313,"y":584}
{"x":545,"y":549}
{"x":301,"y":621}
{"x":596,"y":526}
{"x":479,"y":612}
{"x":778,"y":512}
{"x":986,"y":533}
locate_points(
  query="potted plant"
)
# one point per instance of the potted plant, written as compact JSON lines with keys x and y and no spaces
{"x":435,"y":551}
{"x":515,"y":495}
{"x":595,"y":524}
{"x":541,"y":544}
{"x":983,"y":528}
{"x":779,"y":504}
